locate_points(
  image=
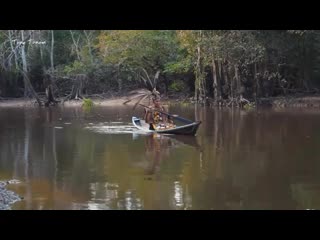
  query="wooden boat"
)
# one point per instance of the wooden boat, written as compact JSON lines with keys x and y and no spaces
{"x":189,"y":128}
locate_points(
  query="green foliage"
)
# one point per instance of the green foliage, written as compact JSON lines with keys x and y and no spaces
{"x":179,"y":66}
{"x":114,"y":59}
{"x":177,"y":86}
{"x":87,"y":104}
{"x":249,"y":106}
{"x":137,"y":49}
{"x":76,"y":67}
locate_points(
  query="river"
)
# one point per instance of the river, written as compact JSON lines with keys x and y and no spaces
{"x":68,"y":158}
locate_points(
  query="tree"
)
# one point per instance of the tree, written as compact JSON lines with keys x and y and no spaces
{"x":138,"y":52}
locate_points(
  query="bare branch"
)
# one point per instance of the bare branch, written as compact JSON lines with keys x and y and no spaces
{"x":76,"y":44}
{"x":151,"y":84}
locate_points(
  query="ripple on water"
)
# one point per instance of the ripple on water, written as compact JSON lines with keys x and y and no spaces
{"x":113,"y":129}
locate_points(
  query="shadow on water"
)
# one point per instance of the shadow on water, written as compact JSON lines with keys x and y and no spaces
{"x":66,"y":158}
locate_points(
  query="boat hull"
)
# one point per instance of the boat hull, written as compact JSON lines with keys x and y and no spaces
{"x":188,"y":129}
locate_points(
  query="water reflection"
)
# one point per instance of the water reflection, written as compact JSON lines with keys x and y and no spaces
{"x":238,"y":160}
{"x":256,"y":156}
{"x":157,"y":148}
{"x":65,"y":166}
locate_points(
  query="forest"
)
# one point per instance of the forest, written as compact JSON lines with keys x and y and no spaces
{"x":226,"y":67}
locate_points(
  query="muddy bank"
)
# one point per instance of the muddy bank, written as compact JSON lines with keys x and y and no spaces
{"x":21,"y":102}
{"x":7,"y":197}
{"x":274,"y":102}
{"x":117,"y":101}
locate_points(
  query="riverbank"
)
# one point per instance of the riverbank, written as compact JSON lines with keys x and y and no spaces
{"x":312,"y":101}
{"x":293,"y":102}
{"x":115,"y":101}
{"x":22,"y":102}
{"x":7,"y":197}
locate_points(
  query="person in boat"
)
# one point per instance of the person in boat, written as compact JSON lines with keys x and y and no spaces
{"x":155,"y":118}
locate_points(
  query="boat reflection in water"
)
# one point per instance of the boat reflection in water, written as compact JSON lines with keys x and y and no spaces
{"x":159,"y":147}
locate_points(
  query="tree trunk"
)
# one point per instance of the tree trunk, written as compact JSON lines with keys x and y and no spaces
{"x":197,"y":82}
{"x":50,"y":98}
{"x":218,"y":76}
{"x":76,"y":45}
{"x":222,"y":81}
{"x":306,"y":66}
{"x":199,"y":71}
{"x":24,"y":67}
{"x":166,"y":84}
{"x":28,"y":89}
{"x":203,"y":86}
{"x":13,"y":50}
{"x":231,"y":79}
{"x":51,"y":52}
{"x":256,"y":88}
{"x":119,"y":79}
{"x":237,"y":79}
{"x":89,"y":44}
{"x":41,"y":54}
{"x":78,"y":86}
{"x":41,"y":49}
{"x":215,"y":81}
{"x":226,"y":80}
